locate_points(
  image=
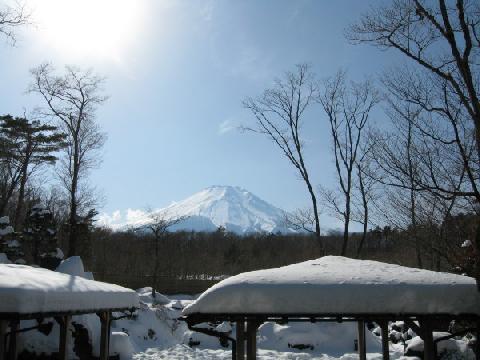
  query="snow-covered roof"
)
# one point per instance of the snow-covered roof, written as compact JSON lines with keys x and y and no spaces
{"x":339,"y":285}
{"x":27,"y":290}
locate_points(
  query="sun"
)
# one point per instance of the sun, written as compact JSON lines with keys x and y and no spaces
{"x":88,"y":28}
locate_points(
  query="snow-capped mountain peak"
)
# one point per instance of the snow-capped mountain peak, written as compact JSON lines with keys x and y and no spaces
{"x":232,"y":207}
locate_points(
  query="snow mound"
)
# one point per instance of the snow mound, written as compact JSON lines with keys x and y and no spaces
{"x":121,"y":345}
{"x":4,"y":259}
{"x":415,"y":346}
{"x":72,"y":266}
{"x":7,"y":230}
{"x":326,"y":338}
{"x":25,"y":289}
{"x":145,"y":294}
{"x":339,"y":285}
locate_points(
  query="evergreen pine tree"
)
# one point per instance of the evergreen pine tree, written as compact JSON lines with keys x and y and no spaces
{"x":41,"y":233}
{"x":9,"y":242}
{"x":24,"y":146}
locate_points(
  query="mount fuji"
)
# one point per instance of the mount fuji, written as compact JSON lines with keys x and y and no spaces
{"x":234,"y":208}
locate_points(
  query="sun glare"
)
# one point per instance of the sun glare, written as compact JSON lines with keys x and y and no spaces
{"x":88,"y":28}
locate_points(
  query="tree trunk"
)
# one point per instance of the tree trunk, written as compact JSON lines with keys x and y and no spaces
{"x":477,"y":237}
{"x":315,"y":213}
{"x":155,"y":270}
{"x":365,"y":212}
{"x":72,"y":239}
{"x":477,"y":254}
{"x":7,"y":197}
{"x":364,"y":233}
{"x":19,"y":208}
{"x":21,"y":189}
{"x":346,"y":226}
{"x":72,"y":243}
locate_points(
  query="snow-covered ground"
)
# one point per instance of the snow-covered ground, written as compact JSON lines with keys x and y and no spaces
{"x":329,"y":340}
{"x":170,"y":339}
{"x":185,"y":352}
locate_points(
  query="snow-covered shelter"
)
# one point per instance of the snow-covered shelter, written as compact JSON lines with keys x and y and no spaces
{"x":35,"y":293}
{"x":335,"y":288}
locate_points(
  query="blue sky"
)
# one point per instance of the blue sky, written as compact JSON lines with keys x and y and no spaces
{"x":176,"y":76}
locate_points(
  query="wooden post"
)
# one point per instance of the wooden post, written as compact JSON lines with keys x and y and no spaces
{"x":64,"y":322}
{"x":477,"y":345}
{"x":12,"y":344}
{"x":252,"y":327}
{"x":385,"y":341}
{"x":362,"y":351}
{"x":428,"y":344}
{"x":105,"y":335}
{"x":3,"y":332}
{"x":240,"y":340}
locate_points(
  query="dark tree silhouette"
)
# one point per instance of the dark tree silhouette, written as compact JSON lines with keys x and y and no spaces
{"x":72,"y":99}
{"x":348,"y":108}
{"x":280,"y":114}
{"x":443,"y":44}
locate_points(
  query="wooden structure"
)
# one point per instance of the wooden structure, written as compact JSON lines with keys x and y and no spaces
{"x":29,"y":293}
{"x":338,"y":289}
{"x":10,"y":327}
{"x":244,"y":344}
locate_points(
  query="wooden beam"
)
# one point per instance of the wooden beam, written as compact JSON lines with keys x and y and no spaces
{"x":64,"y":322}
{"x":3,"y":333}
{"x":240,"y":340}
{"x":477,"y":345}
{"x":252,"y":327}
{"x":385,"y":340}
{"x":105,"y":319}
{"x":362,"y":348}
{"x":428,"y":344}
{"x":12,"y":343}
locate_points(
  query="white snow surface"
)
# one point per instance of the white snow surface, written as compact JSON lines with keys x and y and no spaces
{"x":72,"y":266}
{"x":7,"y":230}
{"x":4,"y":259}
{"x":25,"y":289}
{"x":339,"y":285}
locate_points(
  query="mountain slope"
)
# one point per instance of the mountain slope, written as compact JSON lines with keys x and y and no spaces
{"x":232,"y":207}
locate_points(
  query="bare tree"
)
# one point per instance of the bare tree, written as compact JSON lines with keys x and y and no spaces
{"x":420,"y":159}
{"x":12,"y":18}
{"x":348,"y":110}
{"x":441,"y":40}
{"x":366,"y":194}
{"x":280,"y":114}
{"x":71,"y":99}
{"x":302,"y":220}
{"x":158,"y":223}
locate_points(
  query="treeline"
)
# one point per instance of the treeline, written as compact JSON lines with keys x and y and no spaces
{"x":128,"y":258}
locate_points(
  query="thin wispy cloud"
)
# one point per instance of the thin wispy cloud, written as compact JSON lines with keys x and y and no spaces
{"x":207,"y":11}
{"x":123,"y":219}
{"x":227,"y":126}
